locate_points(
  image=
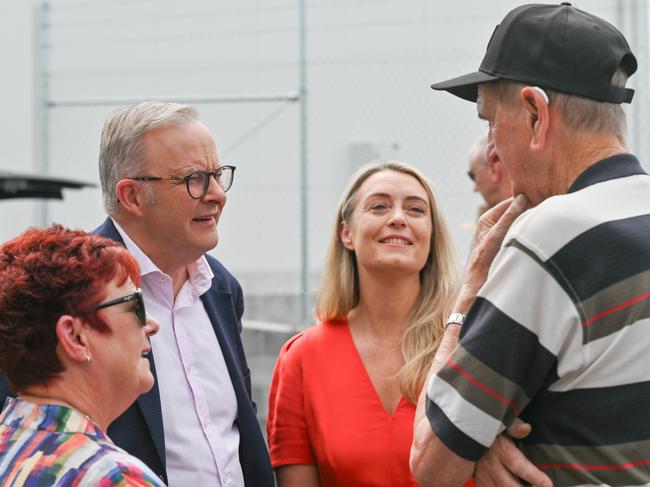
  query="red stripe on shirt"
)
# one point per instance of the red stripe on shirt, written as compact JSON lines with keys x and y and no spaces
{"x":484,"y":388}
{"x":576,"y":466}
{"x":616,"y":308}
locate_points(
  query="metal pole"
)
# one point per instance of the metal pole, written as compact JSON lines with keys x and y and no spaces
{"x":41,"y":111}
{"x":634,"y":32}
{"x":196,"y":99}
{"x":643,"y":48}
{"x":304,"y":166}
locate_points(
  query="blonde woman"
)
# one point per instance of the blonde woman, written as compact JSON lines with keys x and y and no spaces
{"x":343,"y":395}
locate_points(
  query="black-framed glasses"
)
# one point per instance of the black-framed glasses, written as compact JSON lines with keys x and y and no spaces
{"x":197,"y":182}
{"x":471,"y":175}
{"x":136,"y":296}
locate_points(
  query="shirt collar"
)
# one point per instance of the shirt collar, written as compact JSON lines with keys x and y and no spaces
{"x":199,"y":272}
{"x":146,"y":264}
{"x":200,"y":275}
{"x":18,"y":413}
{"x":614,"y":167}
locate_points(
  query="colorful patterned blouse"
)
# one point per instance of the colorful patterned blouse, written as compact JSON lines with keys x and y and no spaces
{"x":47,"y":445}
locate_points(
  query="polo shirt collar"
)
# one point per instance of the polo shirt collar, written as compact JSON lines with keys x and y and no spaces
{"x":614,"y":167}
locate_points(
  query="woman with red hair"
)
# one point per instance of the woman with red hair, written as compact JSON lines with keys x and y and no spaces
{"x":74,"y":337}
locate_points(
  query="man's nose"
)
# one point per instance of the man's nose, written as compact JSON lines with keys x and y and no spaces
{"x":215,"y":192}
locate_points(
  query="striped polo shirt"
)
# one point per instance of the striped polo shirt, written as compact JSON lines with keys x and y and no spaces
{"x":559,"y":336}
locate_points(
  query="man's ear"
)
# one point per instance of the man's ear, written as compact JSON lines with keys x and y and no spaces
{"x":538,"y":115}
{"x":494,"y":163}
{"x":73,"y":339}
{"x":344,"y":234}
{"x":130,"y":195}
{"x":496,"y":170}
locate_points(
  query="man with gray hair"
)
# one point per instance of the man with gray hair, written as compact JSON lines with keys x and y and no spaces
{"x":489,"y":176}
{"x":164,"y":189}
{"x":487,"y":173}
{"x":558,"y":333}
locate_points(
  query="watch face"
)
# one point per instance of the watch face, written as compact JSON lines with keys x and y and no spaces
{"x":457,"y":318}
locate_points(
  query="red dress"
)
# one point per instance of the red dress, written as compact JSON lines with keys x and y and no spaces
{"x":324,"y":411}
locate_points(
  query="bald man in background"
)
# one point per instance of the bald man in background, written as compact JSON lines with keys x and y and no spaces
{"x":488,"y":174}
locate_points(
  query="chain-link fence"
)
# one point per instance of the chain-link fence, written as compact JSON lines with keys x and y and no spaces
{"x":369,"y":67}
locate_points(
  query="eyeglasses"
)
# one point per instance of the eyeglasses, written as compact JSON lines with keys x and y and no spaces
{"x":139,"y":310}
{"x":197,"y":182}
{"x":471,"y":175}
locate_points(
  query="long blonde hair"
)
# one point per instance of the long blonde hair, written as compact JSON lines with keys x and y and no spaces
{"x":339,"y":290}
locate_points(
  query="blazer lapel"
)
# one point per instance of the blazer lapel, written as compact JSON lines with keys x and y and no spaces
{"x":218,"y":305}
{"x":149,"y":402}
{"x":253,"y":455}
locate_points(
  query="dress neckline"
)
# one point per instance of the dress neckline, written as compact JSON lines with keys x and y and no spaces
{"x":366,"y":377}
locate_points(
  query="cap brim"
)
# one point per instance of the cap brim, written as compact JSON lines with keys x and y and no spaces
{"x":465,"y":87}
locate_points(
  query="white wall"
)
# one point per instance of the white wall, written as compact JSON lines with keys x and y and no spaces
{"x":16,"y":101}
{"x":370,"y":64}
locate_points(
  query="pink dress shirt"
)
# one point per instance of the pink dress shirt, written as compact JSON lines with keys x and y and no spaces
{"x":198,"y":402}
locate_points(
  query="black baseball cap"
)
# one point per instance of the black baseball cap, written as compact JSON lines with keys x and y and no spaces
{"x":553,"y":46}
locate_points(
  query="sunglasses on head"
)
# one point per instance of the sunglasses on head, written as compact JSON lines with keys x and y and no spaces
{"x":136,"y":296}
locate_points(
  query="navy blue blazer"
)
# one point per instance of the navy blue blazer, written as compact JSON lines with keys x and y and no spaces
{"x":139,"y":430}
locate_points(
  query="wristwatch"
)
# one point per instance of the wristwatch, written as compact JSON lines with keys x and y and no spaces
{"x":455,"y":319}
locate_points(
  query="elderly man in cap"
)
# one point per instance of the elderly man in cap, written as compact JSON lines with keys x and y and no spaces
{"x":559,"y":332}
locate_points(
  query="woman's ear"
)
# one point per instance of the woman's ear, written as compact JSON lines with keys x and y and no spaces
{"x":345,"y":236}
{"x":73,"y":339}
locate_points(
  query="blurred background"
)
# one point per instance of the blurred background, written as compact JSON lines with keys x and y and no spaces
{"x":298,"y":94}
